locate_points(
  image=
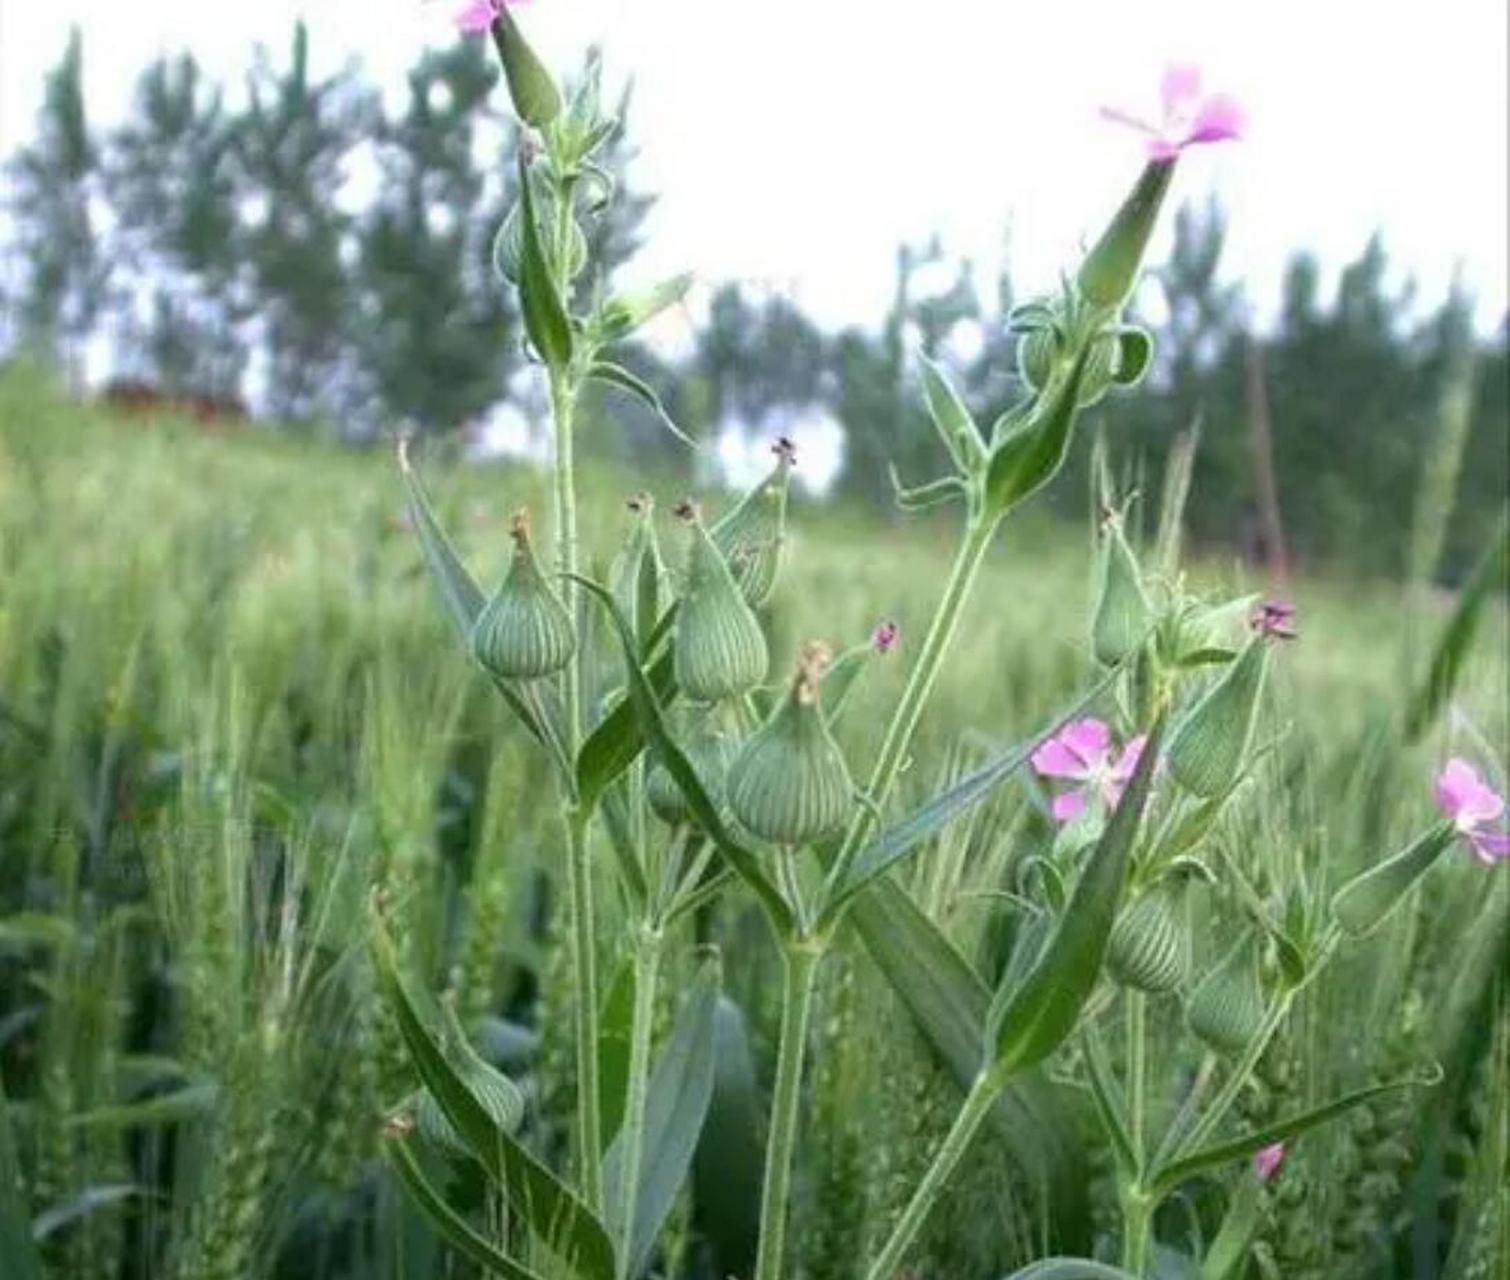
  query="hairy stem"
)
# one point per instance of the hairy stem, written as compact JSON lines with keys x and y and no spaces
{"x":1223,"y":1101}
{"x":800,"y":969}
{"x":647,"y":964}
{"x":978,"y":1102}
{"x":1137,"y":1229}
{"x":1137,"y":1068}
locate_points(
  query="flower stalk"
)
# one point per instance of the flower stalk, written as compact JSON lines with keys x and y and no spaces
{"x":647,"y":964}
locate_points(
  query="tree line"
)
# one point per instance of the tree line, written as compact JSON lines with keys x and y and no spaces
{"x":313,"y":248}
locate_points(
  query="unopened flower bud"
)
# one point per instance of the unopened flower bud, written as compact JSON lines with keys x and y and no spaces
{"x":1227,"y":1007}
{"x":1207,"y":751}
{"x":789,"y":783}
{"x":1123,"y":615}
{"x":751,"y":534}
{"x":531,"y":89}
{"x":524,"y":632}
{"x":720,"y":651}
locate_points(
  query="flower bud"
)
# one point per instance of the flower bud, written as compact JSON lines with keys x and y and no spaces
{"x":524,"y":632}
{"x":1110,"y":270}
{"x":1207,"y":751}
{"x":1149,"y":947}
{"x":789,"y":783}
{"x":531,"y":89}
{"x":1227,"y":1008}
{"x":637,"y":573}
{"x":720,"y":651}
{"x":709,"y":753}
{"x":751,"y":534}
{"x":1123,"y":614}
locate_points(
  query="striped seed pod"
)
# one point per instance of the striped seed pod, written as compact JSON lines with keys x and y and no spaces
{"x":720,"y":651}
{"x":524,"y":632}
{"x":789,"y":783}
{"x":1149,"y":947}
{"x":709,"y":753}
{"x":1227,"y":1007}
{"x":1123,"y":615}
{"x":1208,"y":749}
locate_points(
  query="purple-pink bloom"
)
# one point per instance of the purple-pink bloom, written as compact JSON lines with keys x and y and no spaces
{"x":1082,"y":752}
{"x":1189,"y":116}
{"x":1266,"y":1160}
{"x":884,"y":638}
{"x":1473,"y":808}
{"x":477,"y":16}
{"x":1274,"y":620}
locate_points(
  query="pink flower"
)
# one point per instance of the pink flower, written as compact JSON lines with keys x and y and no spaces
{"x":1274,"y":620}
{"x":1189,"y":116}
{"x":478,"y":16}
{"x":884,"y":638}
{"x":1082,"y":752}
{"x":1473,"y":808}
{"x":1266,"y":1161}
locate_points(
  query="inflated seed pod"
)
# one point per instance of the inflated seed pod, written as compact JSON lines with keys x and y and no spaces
{"x":524,"y":632}
{"x":1227,"y":1007}
{"x":638,"y":573}
{"x":789,"y":784}
{"x":709,"y":752}
{"x":752,"y":533}
{"x":1149,"y":947}
{"x":508,"y":244}
{"x":1123,"y":615}
{"x":1207,"y":751}
{"x":720,"y":650}
{"x":498,"y":1094}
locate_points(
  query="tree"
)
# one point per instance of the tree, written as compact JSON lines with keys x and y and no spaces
{"x":55,"y":187}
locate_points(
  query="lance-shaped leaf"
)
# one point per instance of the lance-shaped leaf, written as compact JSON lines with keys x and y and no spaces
{"x":618,"y":739}
{"x":923,"y":496}
{"x":615,"y":1022}
{"x":956,"y":426}
{"x":16,"y":1245}
{"x":1071,"y":1269}
{"x":652,"y":723}
{"x":615,"y":375}
{"x":559,"y":1218}
{"x":676,"y":1105}
{"x":1367,"y":900}
{"x":448,"y":1223}
{"x":1030,"y":1022}
{"x":1234,"y":1238}
{"x":895,"y":843}
{"x":545,"y":319}
{"x":729,"y":1165}
{"x":1109,"y":1104}
{"x":1488,"y":576}
{"x":1167,"y":1178}
{"x":622,"y":315}
{"x":1024,"y":461}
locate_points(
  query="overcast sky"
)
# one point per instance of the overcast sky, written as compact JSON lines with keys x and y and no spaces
{"x":795,"y":142}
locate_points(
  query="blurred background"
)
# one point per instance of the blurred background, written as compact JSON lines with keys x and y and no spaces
{"x":281,"y":214}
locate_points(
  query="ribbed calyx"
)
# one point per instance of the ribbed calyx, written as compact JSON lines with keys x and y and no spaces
{"x":1227,"y":1008}
{"x":524,"y":632}
{"x":1149,"y":947}
{"x":789,"y":783}
{"x":720,"y":651}
{"x":1123,"y":614}
{"x":751,"y":534}
{"x":709,"y":753}
{"x":1207,"y":751}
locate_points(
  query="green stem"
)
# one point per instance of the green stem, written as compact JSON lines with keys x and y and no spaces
{"x":1137,"y":1229}
{"x":977,"y":1106}
{"x":904,"y":720}
{"x":800,"y":970}
{"x":1224,"y":1099}
{"x":1137,"y":1068}
{"x":647,"y":963}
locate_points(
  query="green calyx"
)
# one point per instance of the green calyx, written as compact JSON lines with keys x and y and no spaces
{"x":750,"y":535}
{"x":1110,"y":270}
{"x":531,"y":88}
{"x":708,"y":752}
{"x":1149,"y":948}
{"x":789,"y":784}
{"x":1227,"y":1007}
{"x":563,"y":243}
{"x":1368,"y":899}
{"x":720,"y":650}
{"x":524,"y":632}
{"x":1123,"y":614}
{"x":1207,"y":751}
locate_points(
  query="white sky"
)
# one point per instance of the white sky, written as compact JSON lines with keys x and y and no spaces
{"x":795,"y":142}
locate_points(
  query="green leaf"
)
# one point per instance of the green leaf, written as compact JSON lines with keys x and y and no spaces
{"x":1071,"y":1269}
{"x":192,"y":1102}
{"x":652,"y":723}
{"x":1367,"y":900}
{"x":615,"y":1020}
{"x":1134,"y":352}
{"x":531,"y":88}
{"x":459,"y":592}
{"x":956,"y":427}
{"x":16,"y":1246}
{"x":618,"y":739}
{"x":895,"y":843}
{"x":729,"y":1167}
{"x":447,"y":1222}
{"x":680,"y":1088}
{"x":1031,"y":1021}
{"x":1453,"y":646}
{"x":1170,"y":1176}
{"x":1234,"y":1238}
{"x":1027,"y":459}
{"x":77,"y":1207}
{"x":922,"y":497}
{"x":558,"y":1217}
{"x":621,"y":316}
{"x":615,"y":375}
{"x":545,"y":319}
{"x":1109,"y":1103}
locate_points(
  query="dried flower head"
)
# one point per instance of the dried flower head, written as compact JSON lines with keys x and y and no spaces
{"x":884,"y":638}
{"x":1274,"y":620}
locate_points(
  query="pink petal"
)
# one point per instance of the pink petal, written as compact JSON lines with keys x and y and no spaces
{"x":1179,"y":90}
{"x":1068,"y":806}
{"x":1076,"y":751}
{"x":476,"y":17}
{"x":1219,"y":118}
{"x":1268,"y":1159}
{"x":1490,"y":846}
{"x":1462,"y":796}
{"x":1127,"y":763}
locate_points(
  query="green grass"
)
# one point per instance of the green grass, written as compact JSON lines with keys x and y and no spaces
{"x":229,"y":709}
